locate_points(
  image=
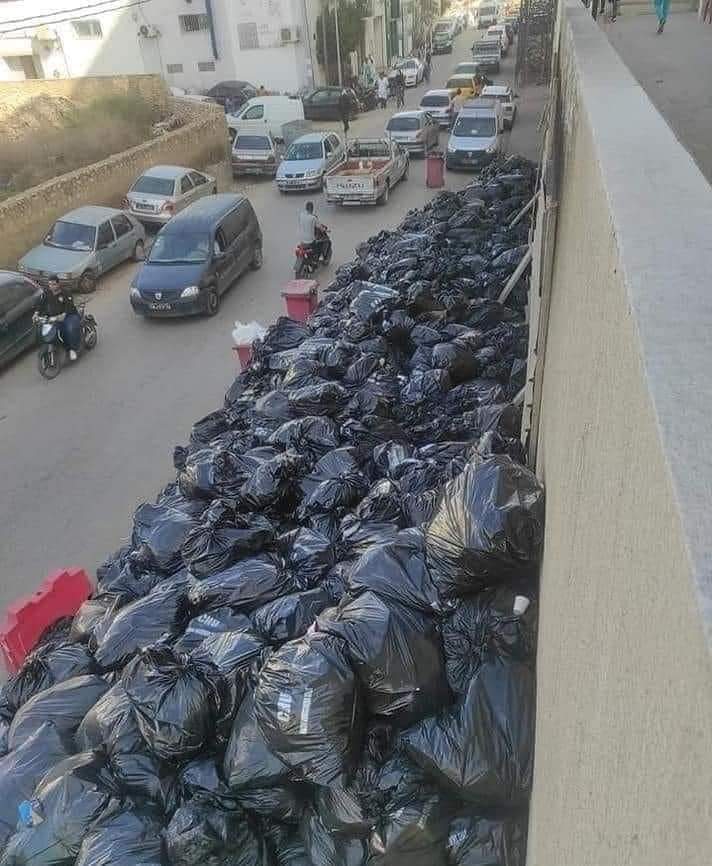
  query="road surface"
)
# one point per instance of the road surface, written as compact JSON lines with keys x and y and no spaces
{"x":81,"y":452}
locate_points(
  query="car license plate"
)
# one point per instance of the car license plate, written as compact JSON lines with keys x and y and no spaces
{"x":158,"y":307}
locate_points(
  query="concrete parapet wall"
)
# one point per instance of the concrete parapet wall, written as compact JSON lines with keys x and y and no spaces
{"x":624,"y":741}
{"x":25,"y":218}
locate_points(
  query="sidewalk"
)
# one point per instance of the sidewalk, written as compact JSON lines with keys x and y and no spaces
{"x":675,"y":70}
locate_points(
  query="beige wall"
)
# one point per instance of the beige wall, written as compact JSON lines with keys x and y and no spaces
{"x":25,"y":218}
{"x":624,"y":710}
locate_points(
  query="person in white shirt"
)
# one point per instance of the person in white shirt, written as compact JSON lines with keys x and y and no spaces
{"x":311,"y":232}
{"x":382,"y":90}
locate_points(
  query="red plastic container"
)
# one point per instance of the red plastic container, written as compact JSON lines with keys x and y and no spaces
{"x":60,"y":594}
{"x":243,"y":354}
{"x":435,"y":169}
{"x":301,"y":298}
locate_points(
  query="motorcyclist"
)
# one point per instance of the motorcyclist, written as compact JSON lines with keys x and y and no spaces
{"x":312,"y":233}
{"x":57,"y":302}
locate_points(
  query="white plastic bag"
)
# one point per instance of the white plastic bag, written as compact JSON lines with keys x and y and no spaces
{"x":245,"y":335}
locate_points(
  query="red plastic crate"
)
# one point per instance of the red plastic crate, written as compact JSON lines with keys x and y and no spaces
{"x":60,"y":594}
{"x":301,"y":298}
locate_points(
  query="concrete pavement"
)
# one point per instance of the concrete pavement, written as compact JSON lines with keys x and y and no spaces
{"x":81,"y":452}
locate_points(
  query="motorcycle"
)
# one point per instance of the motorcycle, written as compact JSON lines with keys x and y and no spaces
{"x":366,"y":96}
{"x":53,"y":354}
{"x":310,"y":256}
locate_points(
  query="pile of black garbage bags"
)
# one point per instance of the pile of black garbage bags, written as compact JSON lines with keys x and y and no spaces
{"x":318,"y":647}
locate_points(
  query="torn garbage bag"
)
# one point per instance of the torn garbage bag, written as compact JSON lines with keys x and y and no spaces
{"x":489,"y":527}
{"x":482,"y":750}
{"x":307,"y":707}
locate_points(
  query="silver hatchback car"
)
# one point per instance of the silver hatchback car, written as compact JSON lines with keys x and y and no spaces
{"x":84,"y":244}
{"x":416,"y":131}
{"x":165,"y":190}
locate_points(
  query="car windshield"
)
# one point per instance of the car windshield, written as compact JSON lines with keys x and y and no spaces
{"x":177,"y":248}
{"x":154,"y":185}
{"x":408,"y":64}
{"x":252,"y":142}
{"x":305,"y":150}
{"x":71,"y":236}
{"x":434,"y":101}
{"x":501,"y":97}
{"x":462,"y":83}
{"x":474,"y":127}
{"x":466,"y":68}
{"x":401,"y":124}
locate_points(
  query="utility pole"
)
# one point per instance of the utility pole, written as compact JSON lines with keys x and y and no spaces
{"x":338,"y":41}
{"x":324,"y":16}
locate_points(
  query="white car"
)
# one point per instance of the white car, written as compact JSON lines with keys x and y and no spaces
{"x":412,"y":70}
{"x":505,"y":97}
{"x":441,"y":105}
{"x":499,"y":31}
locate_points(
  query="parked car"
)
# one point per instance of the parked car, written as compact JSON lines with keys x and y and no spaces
{"x":254,"y":154}
{"x":19,"y":299}
{"x":469,"y":85}
{"x":487,"y":15}
{"x":165,"y":190}
{"x":498,"y":31}
{"x":324,"y":103}
{"x":307,"y":159}
{"x":505,"y":97}
{"x":197,"y":256}
{"x":232,"y":93}
{"x":467,"y":67}
{"x":265,"y":114}
{"x":372,"y":168}
{"x":415,"y":131}
{"x":443,"y":36}
{"x":475,"y":138}
{"x":412,"y":69}
{"x":487,"y":54}
{"x":84,"y":244}
{"x":440,"y":104}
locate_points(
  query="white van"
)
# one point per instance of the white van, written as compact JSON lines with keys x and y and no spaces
{"x":265,"y":114}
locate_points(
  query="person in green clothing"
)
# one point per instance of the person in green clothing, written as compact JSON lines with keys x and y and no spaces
{"x":662,"y":7}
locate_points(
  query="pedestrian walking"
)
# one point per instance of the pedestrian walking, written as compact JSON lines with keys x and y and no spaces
{"x":612,"y":9}
{"x":345,"y":110}
{"x":382,"y":90}
{"x":662,"y":7}
{"x":400,"y":89}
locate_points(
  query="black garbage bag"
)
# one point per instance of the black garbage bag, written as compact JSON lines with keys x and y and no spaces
{"x":308,"y":707}
{"x":357,"y":536}
{"x":209,"y":428}
{"x":457,"y":358}
{"x":163,"y":612}
{"x":283,"y":803}
{"x":231,"y":652}
{"x":426,"y":385}
{"x":371,"y":300}
{"x":309,"y":555}
{"x":176,"y":701}
{"x":325,"y":849}
{"x":249,"y":762}
{"x":348,"y":807}
{"x":335,"y":482}
{"x":218,"y":621}
{"x":123,"y":837}
{"x":397,"y":654}
{"x":489,"y":527}
{"x":244,"y":586}
{"x":67,"y":802}
{"x":312,"y":436}
{"x":482,"y":750}
{"x":273,"y":483}
{"x":159,"y":532}
{"x":284,"y":334}
{"x":495,"y":622}
{"x":201,"y":834}
{"x":398,"y":571}
{"x":285,"y":846}
{"x":326,"y":398}
{"x":487,"y":841}
{"x":382,"y":502}
{"x":43,"y":668}
{"x":90,"y":614}
{"x":65,"y":704}
{"x":201,"y":779}
{"x":23,"y":768}
{"x":211,"y":474}
{"x":414,"y":832}
{"x":290,"y":616}
{"x":223,"y":537}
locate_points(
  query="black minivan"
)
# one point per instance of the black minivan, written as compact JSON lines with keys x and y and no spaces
{"x":19,"y":299}
{"x":197,"y":256}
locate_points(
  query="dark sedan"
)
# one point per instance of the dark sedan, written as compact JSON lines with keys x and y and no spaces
{"x":19,"y":298}
{"x":232,"y":94}
{"x":325,"y":104}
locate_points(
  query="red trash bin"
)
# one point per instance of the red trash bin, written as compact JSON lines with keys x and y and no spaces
{"x":435,"y":169}
{"x":243,"y":353}
{"x":301,"y":298}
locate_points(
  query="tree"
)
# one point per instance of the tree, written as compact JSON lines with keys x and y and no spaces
{"x":351,"y":13}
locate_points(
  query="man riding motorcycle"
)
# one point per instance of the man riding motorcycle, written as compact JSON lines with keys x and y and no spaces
{"x":57,"y":302}
{"x":312,"y":233}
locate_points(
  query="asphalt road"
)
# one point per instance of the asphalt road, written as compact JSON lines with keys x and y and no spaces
{"x":78,"y":454}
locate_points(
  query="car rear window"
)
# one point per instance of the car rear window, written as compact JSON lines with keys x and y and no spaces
{"x":401,"y":124}
{"x":454,"y":83}
{"x":154,"y":185}
{"x":71,"y":236}
{"x":434,"y":101}
{"x":252,"y":142}
{"x":472,"y":126}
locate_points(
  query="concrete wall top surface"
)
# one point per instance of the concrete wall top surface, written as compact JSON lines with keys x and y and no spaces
{"x":661,"y":206}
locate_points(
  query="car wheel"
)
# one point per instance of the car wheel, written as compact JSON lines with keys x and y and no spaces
{"x":87,"y":282}
{"x":139,"y":252}
{"x":212,"y":303}
{"x":257,"y":258}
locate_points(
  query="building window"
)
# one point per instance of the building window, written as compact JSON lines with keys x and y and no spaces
{"x":174,"y":68}
{"x":208,"y":66}
{"x":88,"y":28}
{"x":247,"y":35}
{"x":194,"y":23}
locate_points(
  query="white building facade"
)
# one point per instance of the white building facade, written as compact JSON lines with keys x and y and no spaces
{"x":192,"y":43}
